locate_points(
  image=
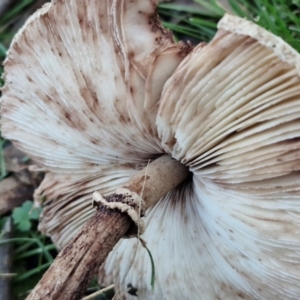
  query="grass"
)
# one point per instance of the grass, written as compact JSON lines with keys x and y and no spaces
{"x":278,"y":16}
{"x":33,"y":252}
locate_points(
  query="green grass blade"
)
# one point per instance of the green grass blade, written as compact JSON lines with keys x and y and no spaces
{"x":180,"y":8}
{"x":23,"y":247}
{"x":182,"y":29}
{"x":237,"y":9}
{"x":36,"y":251}
{"x":13,"y":240}
{"x":203,"y":23}
{"x":32,"y":272}
{"x":152,"y":262}
{"x":44,"y":249}
{"x":212,"y":7}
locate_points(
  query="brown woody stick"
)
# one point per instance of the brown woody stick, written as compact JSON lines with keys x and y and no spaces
{"x":69,"y":275}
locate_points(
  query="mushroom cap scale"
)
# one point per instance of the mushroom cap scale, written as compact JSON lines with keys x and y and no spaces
{"x":97,"y":106}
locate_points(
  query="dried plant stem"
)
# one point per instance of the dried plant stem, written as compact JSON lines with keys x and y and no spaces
{"x":78,"y":262}
{"x":94,"y":295}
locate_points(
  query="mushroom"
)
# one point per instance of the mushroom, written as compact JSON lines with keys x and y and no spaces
{"x":97,"y":89}
{"x":100,"y":146}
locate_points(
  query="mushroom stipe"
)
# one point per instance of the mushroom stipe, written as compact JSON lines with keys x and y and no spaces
{"x":89,"y":248}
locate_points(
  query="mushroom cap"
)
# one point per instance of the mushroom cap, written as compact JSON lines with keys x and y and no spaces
{"x":230,"y":111}
{"x":81,"y":95}
{"x":103,"y":99}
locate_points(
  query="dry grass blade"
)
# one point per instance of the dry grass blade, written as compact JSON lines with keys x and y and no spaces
{"x":94,"y":295}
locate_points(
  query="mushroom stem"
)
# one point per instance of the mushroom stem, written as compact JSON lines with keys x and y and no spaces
{"x":157,"y":179}
{"x":77,"y":263}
